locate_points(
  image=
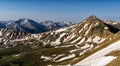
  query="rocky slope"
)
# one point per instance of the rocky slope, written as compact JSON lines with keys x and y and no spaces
{"x":8,"y":36}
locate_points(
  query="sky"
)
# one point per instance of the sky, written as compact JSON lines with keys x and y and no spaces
{"x":59,"y":10}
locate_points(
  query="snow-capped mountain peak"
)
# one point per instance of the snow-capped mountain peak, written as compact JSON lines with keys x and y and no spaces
{"x":24,"y":21}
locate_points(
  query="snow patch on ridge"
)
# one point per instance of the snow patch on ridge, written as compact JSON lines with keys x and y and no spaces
{"x":45,"y":58}
{"x":67,"y":57}
{"x":76,"y":40}
{"x":0,"y":33}
{"x":85,"y":46}
{"x":89,"y":39}
{"x":82,"y":40}
{"x":98,"y":39}
{"x":80,"y":30}
{"x":60,"y":30}
{"x":71,"y":51}
{"x":58,"y":56}
{"x":85,"y":25}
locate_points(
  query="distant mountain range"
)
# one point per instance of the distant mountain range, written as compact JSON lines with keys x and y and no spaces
{"x":53,"y":25}
{"x":31,"y":26}
{"x":73,"y":45}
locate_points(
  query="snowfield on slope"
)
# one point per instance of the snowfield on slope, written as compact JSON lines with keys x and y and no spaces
{"x":100,"y":56}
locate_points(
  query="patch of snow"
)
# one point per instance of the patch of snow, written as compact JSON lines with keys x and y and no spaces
{"x":72,"y":36}
{"x":77,"y":46}
{"x":76,"y":40}
{"x":88,"y":30}
{"x":82,"y":40}
{"x":98,"y":39}
{"x":101,"y":61}
{"x":96,"y":23}
{"x":69,"y":37}
{"x":110,"y":38}
{"x":101,"y":41}
{"x":100,"y":53}
{"x":7,"y":34}
{"x":16,"y":55}
{"x":71,"y":51}
{"x":68,"y":65}
{"x":51,"y":33}
{"x":6,"y":42}
{"x":106,"y":28}
{"x":114,"y":23}
{"x":91,"y":46}
{"x":85,"y":46}
{"x":21,"y":39}
{"x":58,"y":56}
{"x":35,"y":35}
{"x":89,"y":39}
{"x":73,"y":29}
{"x":67,"y":57}
{"x":66,"y":45}
{"x":61,"y":30}
{"x":45,"y":58}
{"x":0,"y":33}
{"x":71,"y":26}
{"x":57,"y":42}
{"x":85,"y":25}
{"x":66,"y":39}
{"x":80,"y":30}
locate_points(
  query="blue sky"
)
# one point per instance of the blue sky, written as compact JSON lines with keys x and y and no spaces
{"x":59,"y":10}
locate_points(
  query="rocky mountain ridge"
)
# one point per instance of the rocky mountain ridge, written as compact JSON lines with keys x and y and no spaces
{"x":64,"y":46}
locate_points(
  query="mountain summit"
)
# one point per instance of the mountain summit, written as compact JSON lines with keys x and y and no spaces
{"x":24,"y":20}
{"x":27,"y":25}
{"x":92,"y":19}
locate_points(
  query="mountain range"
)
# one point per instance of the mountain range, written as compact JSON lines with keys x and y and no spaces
{"x":92,"y":40}
{"x":31,"y":26}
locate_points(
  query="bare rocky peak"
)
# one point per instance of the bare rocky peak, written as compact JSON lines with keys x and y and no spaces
{"x":92,"y":19}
